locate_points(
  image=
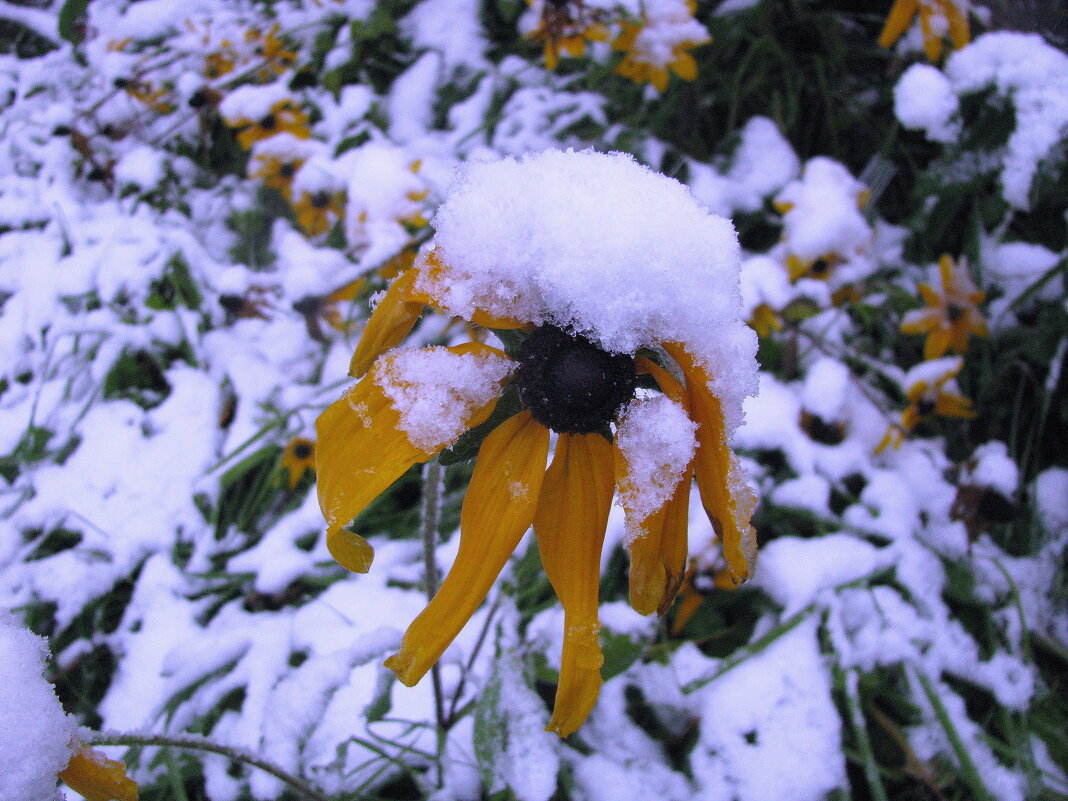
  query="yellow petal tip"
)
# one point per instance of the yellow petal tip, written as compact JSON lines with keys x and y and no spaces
{"x":350,"y":550}
{"x":402,"y":664}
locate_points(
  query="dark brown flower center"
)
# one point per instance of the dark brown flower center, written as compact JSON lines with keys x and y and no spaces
{"x":302,"y":450}
{"x":287,"y":169}
{"x":320,"y":200}
{"x":954,"y":312}
{"x":925,"y":407}
{"x":570,"y":384}
{"x":268,"y":122}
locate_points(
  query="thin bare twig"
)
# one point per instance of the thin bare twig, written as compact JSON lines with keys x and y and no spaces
{"x":199,"y":744}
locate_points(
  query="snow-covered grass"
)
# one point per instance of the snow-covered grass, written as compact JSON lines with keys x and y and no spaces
{"x":200,"y":204}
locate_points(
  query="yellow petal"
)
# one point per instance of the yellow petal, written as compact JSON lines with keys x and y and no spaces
{"x":950,"y":405}
{"x":574,"y":45}
{"x":796,"y":267}
{"x":361,"y":448}
{"x":570,"y":525}
{"x":597,"y":32}
{"x":92,"y":775}
{"x":932,"y":42}
{"x":552,"y":55}
{"x":673,"y":542}
{"x":728,"y":501}
{"x":350,"y":550}
{"x":958,"y":25}
{"x":673,"y":520}
{"x":647,"y":575}
{"x":361,"y":451}
{"x":392,"y":320}
{"x":684,"y":66}
{"x":658,"y":77}
{"x":497,"y":511}
{"x":897,"y":21}
{"x":658,"y":554}
{"x":937,"y":343}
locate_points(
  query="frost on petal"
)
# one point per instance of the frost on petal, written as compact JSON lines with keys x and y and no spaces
{"x":656,"y":439}
{"x":435,"y":391}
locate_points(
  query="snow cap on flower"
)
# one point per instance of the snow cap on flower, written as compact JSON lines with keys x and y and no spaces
{"x":821,"y":212}
{"x":598,"y":245}
{"x":35,"y":732}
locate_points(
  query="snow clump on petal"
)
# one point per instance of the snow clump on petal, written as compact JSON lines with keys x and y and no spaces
{"x":435,"y":391}
{"x":656,"y":439}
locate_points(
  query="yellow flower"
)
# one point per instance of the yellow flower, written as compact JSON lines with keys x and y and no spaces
{"x":298,"y":458}
{"x":938,"y":18}
{"x":409,"y":404}
{"x":819,"y":268}
{"x":97,"y":778}
{"x":764,"y":320}
{"x":932,"y":394}
{"x":655,"y":45}
{"x":951,"y":313}
{"x":568,"y":385}
{"x":277,"y":172}
{"x":283,"y":116}
{"x":276,"y":59}
{"x":220,"y":62}
{"x":564,"y":26}
{"x":153,"y":97}
{"x":315,"y":210}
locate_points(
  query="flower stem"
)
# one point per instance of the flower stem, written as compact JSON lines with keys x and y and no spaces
{"x":433,"y":489}
{"x":198,"y":744}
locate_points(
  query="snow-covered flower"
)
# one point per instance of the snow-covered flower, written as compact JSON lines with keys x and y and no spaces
{"x":931,"y":389}
{"x":606,"y":277}
{"x":938,"y":19}
{"x":316,"y":210}
{"x":951,"y":313}
{"x":660,"y":40}
{"x":284,"y":116}
{"x":272,"y":50}
{"x":39,"y":742}
{"x":96,"y":777}
{"x":564,"y":26}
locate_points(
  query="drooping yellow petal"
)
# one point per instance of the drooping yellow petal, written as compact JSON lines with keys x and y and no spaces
{"x":552,"y":55}
{"x":658,"y":77}
{"x":647,"y":575}
{"x":392,"y":320}
{"x":96,"y":777}
{"x":497,"y":511}
{"x":570,"y":525}
{"x":951,"y":405}
{"x":684,"y":65}
{"x":932,"y":41}
{"x":350,"y":550}
{"x":937,"y":343}
{"x":361,"y":448}
{"x":728,"y":501}
{"x":658,"y":553}
{"x":673,"y":542}
{"x":897,"y":21}
{"x":959,"y":34}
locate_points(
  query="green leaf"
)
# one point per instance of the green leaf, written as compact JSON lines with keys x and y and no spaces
{"x":70,"y":16}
